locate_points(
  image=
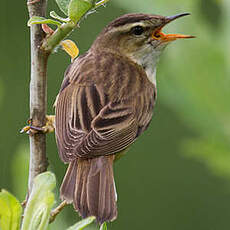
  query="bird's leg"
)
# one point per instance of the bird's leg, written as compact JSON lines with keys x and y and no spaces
{"x":47,"y":128}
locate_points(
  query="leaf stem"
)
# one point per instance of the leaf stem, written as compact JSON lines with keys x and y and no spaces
{"x":59,"y":34}
{"x":100,"y":3}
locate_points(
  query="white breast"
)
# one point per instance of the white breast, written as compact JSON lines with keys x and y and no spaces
{"x":151,"y":74}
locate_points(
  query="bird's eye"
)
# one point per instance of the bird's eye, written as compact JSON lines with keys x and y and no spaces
{"x":137,"y":30}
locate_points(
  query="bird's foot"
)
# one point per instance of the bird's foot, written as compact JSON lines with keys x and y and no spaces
{"x":47,"y":128}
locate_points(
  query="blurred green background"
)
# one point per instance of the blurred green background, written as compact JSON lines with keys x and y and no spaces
{"x":177,"y":175}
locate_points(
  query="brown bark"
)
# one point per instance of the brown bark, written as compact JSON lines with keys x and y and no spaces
{"x":38,"y":92}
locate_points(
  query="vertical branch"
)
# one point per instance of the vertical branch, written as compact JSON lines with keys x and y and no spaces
{"x":38,"y":88}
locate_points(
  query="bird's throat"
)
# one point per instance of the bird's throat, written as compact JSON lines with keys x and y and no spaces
{"x":148,"y":61}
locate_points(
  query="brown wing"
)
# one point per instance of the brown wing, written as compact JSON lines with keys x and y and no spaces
{"x":105,"y":101}
{"x":88,"y":126}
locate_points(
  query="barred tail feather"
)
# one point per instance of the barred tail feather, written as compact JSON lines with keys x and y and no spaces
{"x":89,"y":184}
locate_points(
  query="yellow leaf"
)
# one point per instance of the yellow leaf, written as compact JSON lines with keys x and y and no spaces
{"x":70,"y":48}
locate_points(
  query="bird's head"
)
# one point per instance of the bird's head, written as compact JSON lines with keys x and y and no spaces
{"x":138,"y":35}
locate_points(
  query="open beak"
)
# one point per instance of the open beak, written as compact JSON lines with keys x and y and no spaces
{"x":159,"y":35}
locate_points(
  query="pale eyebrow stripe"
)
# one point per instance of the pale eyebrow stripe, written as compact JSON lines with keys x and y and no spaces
{"x":129,"y":26}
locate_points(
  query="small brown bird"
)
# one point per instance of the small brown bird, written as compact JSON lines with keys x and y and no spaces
{"x":105,"y":102}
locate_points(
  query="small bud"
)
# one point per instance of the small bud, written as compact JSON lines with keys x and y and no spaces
{"x":47,"y":29}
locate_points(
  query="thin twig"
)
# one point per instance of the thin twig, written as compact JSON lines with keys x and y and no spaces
{"x":38,"y":86}
{"x":57,"y":210}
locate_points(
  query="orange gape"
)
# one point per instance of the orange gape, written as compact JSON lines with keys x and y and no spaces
{"x":168,"y":37}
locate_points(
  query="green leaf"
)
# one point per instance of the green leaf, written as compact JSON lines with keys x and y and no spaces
{"x":103,"y":226}
{"x":78,"y":8}
{"x":63,"y":5}
{"x":54,"y":15}
{"x":41,"y":20}
{"x":41,"y":200}
{"x":82,"y":224}
{"x":10,"y":211}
